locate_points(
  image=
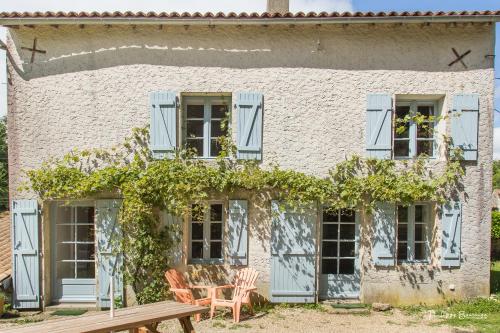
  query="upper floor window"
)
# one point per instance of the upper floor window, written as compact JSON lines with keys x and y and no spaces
{"x":206,"y":233}
{"x":414,"y":129}
{"x":204,"y":123}
{"x":413,"y":232}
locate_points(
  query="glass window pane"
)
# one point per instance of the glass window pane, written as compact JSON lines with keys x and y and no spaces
{"x":65,"y":251}
{"x":402,"y":111}
{"x":196,"y":230}
{"x":196,"y":144}
{"x":330,"y":215}
{"x":85,"y":233}
{"x":425,"y":147}
{"x":195,"y":111}
{"x":347,"y":231}
{"x":216,"y":212}
{"x":402,"y":148}
{"x":219,"y":111}
{"x":329,"y":249}
{"x":347,"y":249}
{"x":216,"y":130}
{"x":346,"y":266}
{"x":402,"y":131}
{"x":330,"y":231}
{"x":403,"y":232}
{"x":425,"y":110}
{"x":85,"y":251}
{"x":420,"y":251}
{"x":420,"y":232}
{"x":347,"y":215}
{"x":402,"y":251}
{"x":194,"y":129}
{"x":197,"y":250}
{"x":419,"y":213}
{"x":85,"y":270}
{"x":425,"y":130}
{"x":402,"y":214}
{"x":215,"y":148}
{"x":64,"y":215}
{"x":216,"y":250}
{"x":66,"y":233}
{"x":85,"y":215}
{"x":216,"y":231}
{"x":329,"y":266}
{"x":65,"y":270}
{"x":197,"y":213}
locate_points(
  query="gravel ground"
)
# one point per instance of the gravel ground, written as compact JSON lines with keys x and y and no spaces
{"x":288,"y":320}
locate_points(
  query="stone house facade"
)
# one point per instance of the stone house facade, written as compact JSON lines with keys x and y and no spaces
{"x":315,"y":89}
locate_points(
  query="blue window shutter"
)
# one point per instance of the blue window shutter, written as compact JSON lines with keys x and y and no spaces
{"x":451,"y":227}
{"x":384,"y":234}
{"x":379,"y":126}
{"x":25,"y":254}
{"x":249,"y":116}
{"x":109,"y":261}
{"x":163,"y":124}
{"x":464,"y":124}
{"x":174,"y":223}
{"x":238,"y":232}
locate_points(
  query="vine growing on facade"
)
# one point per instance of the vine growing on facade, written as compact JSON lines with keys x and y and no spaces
{"x":150,"y":186}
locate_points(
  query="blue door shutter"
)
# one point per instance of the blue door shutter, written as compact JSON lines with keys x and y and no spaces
{"x":109,"y":261}
{"x":384,"y":234}
{"x":163,"y":124}
{"x":379,"y":126}
{"x":238,"y":232}
{"x":174,"y":223}
{"x":451,"y":227}
{"x":249,"y":115}
{"x":293,"y":255}
{"x":25,"y":254}
{"x":464,"y":124}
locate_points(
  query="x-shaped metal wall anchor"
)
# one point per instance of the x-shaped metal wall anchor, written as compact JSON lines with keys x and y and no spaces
{"x":459,"y":57}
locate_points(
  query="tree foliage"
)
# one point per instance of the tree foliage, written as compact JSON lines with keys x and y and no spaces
{"x":4,"y":174}
{"x":149,"y":186}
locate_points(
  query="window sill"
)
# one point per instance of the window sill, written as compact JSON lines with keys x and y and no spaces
{"x":413,"y":262}
{"x":412,"y":158}
{"x":206,"y":262}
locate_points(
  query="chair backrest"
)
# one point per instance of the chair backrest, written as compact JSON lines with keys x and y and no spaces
{"x":245,"y":278}
{"x":176,"y":280}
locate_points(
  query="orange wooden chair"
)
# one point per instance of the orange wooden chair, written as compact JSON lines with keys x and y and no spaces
{"x":183,"y":291}
{"x":244,"y":284}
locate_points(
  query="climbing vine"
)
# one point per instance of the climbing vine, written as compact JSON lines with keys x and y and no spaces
{"x":150,"y":186}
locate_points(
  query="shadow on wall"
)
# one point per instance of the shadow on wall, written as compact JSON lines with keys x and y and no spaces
{"x":354,"y":47}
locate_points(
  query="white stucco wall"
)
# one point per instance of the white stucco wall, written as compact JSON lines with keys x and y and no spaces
{"x":92,"y":86}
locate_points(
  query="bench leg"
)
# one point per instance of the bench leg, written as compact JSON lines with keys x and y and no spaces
{"x":186,"y":325}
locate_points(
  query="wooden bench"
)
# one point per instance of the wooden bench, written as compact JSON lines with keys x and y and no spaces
{"x":131,"y":319}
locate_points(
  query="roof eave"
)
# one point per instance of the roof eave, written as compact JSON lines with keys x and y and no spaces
{"x":247,"y":21}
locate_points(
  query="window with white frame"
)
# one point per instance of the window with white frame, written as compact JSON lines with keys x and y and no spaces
{"x":413,"y":232}
{"x":413,"y":138}
{"x":204,"y":123}
{"x":206,"y":233}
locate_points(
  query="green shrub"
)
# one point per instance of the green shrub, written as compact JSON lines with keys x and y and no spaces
{"x":495,"y":225}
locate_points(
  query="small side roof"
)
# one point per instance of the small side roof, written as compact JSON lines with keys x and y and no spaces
{"x":20,"y":18}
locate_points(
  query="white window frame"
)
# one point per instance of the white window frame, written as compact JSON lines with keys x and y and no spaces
{"x":207,"y":102}
{"x":207,"y":237}
{"x":410,"y":231}
{"x":413,"y":140}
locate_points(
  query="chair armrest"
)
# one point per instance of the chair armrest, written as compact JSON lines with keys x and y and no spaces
{"x":182,"y":291}
{"x":224,"y":286}
{"x":200,"y":287}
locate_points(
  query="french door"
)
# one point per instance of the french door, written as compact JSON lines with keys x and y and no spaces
{"x":73,"y":257}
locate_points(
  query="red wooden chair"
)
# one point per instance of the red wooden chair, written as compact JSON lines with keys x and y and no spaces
{"x":244,"y":284}
{"x":183,"y":291}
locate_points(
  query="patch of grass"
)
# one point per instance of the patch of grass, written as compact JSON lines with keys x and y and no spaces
{"x":237,"y":326}
{"x":263,"y":307}
{"x":69,"y":312}
{"x":27,"y":320}
{"x":495,"y":278}
{"x":218,"y":324}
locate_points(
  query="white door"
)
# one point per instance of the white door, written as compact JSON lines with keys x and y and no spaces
{"x":339,"y":264}
{"x":73,"y":252}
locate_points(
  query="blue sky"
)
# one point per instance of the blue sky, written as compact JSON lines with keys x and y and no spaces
{"x":259,"y":6}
